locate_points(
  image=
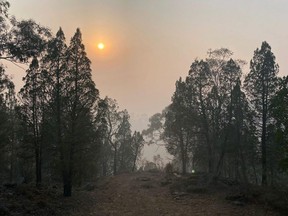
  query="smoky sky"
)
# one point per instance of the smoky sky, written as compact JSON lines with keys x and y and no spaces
{"x":151,"y":43}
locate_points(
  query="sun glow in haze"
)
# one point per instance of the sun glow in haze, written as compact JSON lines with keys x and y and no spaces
{"x":101,"y":46}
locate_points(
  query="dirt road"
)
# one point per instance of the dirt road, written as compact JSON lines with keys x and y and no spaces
{"x":144,"y":194}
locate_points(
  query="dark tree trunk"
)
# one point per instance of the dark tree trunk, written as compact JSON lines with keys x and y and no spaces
{"x":67,"y":189}
{"x":135,"y":159}
{"x":104,"y":168}
{"x":263,"y":135}
{"x":263,"y":148}
{"x":67,"y":184}
{"x":69,"y":150}
{"x":206,"y":132}
{"x":183,"y":155}
{"x":38,"y":156}
{"x":67,"y":171}
{"x":12,"y":158}
{"x":115,"y":161}
{"x":38,"y":167}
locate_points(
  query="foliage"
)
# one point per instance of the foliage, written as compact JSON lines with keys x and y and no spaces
{"x":213,"y":125}
{"x":261,"y":84}
{"x":59,"y":130}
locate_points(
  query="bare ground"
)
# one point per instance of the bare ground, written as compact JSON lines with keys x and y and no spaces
{"x":147,"y":194}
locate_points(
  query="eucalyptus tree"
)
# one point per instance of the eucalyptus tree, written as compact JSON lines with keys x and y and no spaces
{"x":123,"y":152}
{"x":109,"y":122}
{"x":199,"y":81}
{"x":102,"y":128}
{"x":137,"y":144}
{"x":6,"y":88}
{"x":113,"y":118}
{"x":153,"y":134}
{"x":180,"y":127}
{"x":8,"y":125}
{"x":118,"y":147}
{"x":20,"y":40}
{"x":12,"y":128}
{"x":261,"y":84}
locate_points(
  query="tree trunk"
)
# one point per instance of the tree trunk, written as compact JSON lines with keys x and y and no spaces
{"x":263,"y":138}
{"x":67,"y":184}
{"x":104,"y":168}
{"x":183,"y":155}
{"x":38,"y":165}
{"x":115,"y":161}
{"x":255,"y":173}
{"x":12,"y":158}
{"x":135,"y":159}
{"x":69,"y":150}
{"x":206,"y":132}
{"x":263,"y":148}
{"x":37,"y":146}
{"x":67,"y":170}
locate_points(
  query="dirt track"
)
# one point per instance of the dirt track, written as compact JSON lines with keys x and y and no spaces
{"x":142,"y":194}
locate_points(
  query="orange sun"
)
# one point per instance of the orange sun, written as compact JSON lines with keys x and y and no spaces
{"x":101,"y":46}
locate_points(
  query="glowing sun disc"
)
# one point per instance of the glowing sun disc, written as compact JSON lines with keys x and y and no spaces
{"x":101,"y":46}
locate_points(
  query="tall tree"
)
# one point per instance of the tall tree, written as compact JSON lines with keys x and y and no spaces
{"x":113,"y":119}
{"x":117,"y":144}
{"x":34,"y":104}
{"x":279,"y":112}
{"x":180,"y":124}
{"x":55,"y":63}
{"x":211,"y":83}
{"x":199,"y":81}
{"x":124,"y":151}
{"x":137,"y":145}
{"x":242,"y":139}
{"x":102,"y":129}
{"x":260,"y":84}
{"x":7,"y":126}
{"x":80,"y":97}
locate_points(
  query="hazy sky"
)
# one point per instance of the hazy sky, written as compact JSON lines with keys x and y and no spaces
{"x":151,"y":43}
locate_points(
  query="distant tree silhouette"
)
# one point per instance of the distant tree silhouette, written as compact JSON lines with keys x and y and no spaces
{"x":261,"y":84}
{"x":137,"y":143}
{"x":33,"y":103}
{"x":79,"y":98}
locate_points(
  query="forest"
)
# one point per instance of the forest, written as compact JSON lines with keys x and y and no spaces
{"x":58,"y":130}
{"x":227,"y":124}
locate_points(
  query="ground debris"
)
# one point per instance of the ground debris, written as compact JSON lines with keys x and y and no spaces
{"x":143,"y":178}
{"x":132,"y":194}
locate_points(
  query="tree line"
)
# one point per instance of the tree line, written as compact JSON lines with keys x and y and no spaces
{"x":57,"y":129}
{"x":226,"y":123}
